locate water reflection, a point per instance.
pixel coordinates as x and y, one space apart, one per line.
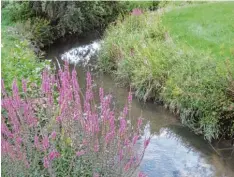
168 156
82 54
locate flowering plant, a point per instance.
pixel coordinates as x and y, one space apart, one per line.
61 132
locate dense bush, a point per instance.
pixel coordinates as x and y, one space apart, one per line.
49 20
64 17
58 131
128 6
37 30
140 52
13 11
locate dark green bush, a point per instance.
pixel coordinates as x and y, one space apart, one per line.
50 20
37 30
16 11
59 18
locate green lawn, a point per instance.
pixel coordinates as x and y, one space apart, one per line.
208 27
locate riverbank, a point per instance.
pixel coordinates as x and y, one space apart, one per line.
140 51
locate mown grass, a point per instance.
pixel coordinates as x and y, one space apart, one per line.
18 60
207 27
139 51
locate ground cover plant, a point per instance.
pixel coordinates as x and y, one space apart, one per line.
55 130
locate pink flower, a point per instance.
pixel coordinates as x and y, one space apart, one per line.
80 153
127 166
5 130
36 142
146 142
46 162
16 96
139 123
18 141
53 154
136 12
120 154
123 125
108 137
134 139
24 85
96 146
58 119
125 111
53 135
130 97
45 143
141 174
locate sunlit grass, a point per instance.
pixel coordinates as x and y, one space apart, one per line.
207 27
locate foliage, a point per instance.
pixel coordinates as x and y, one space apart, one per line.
16 11
58 131
47 21
139 51
128 6
37 30
18 59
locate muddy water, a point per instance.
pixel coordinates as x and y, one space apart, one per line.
174 151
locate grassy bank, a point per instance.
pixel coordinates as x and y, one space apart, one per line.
18 58
207 27
141 52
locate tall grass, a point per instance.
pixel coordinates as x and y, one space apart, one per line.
139 51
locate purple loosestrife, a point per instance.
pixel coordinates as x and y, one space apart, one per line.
93 132
24 85
53 154
45 143
136 12
53 135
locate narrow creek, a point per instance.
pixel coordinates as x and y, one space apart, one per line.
174 150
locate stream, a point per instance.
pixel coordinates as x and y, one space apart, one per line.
174 151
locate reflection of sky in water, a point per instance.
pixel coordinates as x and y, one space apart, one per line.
82 54
167 156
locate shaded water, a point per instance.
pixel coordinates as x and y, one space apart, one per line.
174 151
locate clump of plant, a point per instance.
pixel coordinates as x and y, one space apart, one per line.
58 131
16 11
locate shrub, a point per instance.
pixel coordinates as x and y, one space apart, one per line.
50 20
16 11
140 52
128 6
58 131
37 30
